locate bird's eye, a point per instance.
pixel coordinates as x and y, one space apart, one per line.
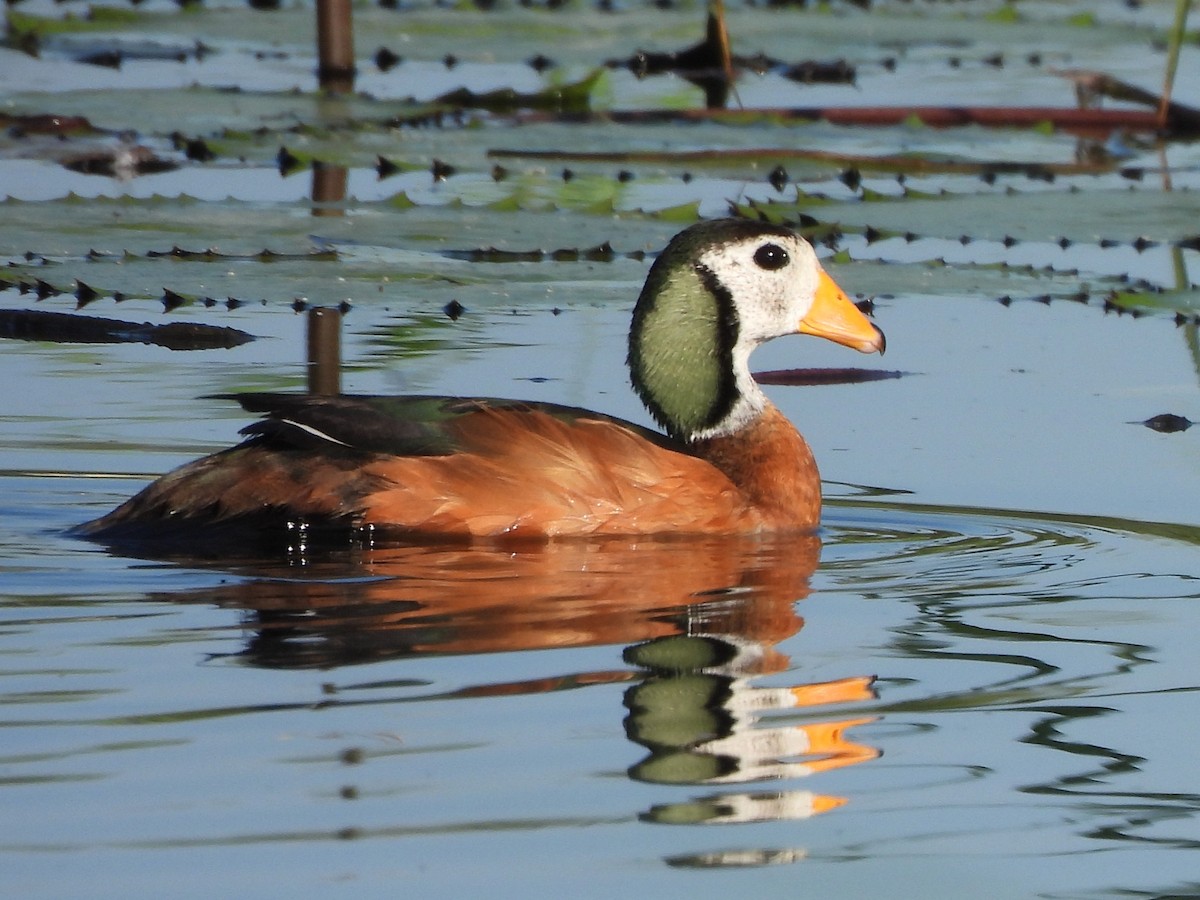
771 257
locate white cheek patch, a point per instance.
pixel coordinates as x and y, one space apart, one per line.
769 303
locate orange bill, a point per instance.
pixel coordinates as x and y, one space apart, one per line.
834 316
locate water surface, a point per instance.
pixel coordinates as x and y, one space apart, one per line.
978 678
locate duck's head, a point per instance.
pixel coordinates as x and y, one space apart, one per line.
718 290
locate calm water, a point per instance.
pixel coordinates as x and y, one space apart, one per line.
960 695
980 681
954 696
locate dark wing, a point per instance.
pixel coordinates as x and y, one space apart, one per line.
414 425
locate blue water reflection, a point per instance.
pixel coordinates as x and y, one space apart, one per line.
984 690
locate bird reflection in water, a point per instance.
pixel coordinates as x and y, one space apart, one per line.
701 621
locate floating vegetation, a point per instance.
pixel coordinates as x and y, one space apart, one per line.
801 173
568 98
69 328
600 253
825 376
1167 423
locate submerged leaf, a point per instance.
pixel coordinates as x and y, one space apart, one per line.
67 328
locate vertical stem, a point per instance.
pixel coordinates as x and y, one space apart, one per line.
335 45
324 351
716 92
1176 40
716 12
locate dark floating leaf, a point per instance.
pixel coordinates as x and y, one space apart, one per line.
84 294
177 252
600 253
171 300
813 72
574 98
121 161
454 310
494 254
67 328
46 123
814 377
196 149
1167 423
385 167
108 59
385 59
778 178
286 162
702 59
708 64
